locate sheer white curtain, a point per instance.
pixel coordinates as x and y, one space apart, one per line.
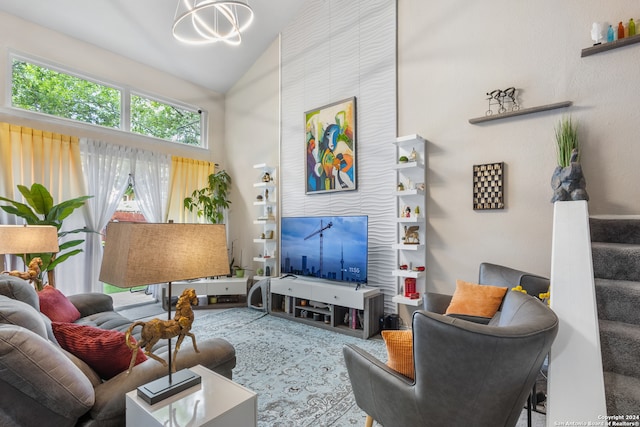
106 168
151 184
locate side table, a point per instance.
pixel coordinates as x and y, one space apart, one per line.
216 402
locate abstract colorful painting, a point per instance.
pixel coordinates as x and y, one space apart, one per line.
330 147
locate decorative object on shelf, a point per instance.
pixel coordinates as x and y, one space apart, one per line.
266 177
259 197
267 271
211 201
403 159
400 186
488 186
211 21
610 34
411 236
567 181
179 252
155 329
598 32
260 271
409 286
40 211
620 31
413 156
330 141
505 99
632 27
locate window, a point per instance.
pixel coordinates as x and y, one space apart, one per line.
155 118
44 90
37 87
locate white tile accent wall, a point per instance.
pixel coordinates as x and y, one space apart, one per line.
337 49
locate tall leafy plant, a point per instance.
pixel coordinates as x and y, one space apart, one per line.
211 201
566 141
40 210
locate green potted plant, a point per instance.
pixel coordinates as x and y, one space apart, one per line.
40 210
568 181
211 201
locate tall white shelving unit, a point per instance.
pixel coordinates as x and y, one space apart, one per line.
411 225
267 217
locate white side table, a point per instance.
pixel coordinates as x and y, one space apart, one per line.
216 402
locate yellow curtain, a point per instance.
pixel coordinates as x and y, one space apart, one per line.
187 175
29 156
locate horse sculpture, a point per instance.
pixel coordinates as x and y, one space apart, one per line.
32 273
155 329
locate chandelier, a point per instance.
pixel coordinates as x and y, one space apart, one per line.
211 21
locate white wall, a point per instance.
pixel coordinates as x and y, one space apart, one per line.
450 53
252 137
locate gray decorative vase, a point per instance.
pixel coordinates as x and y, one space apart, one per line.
568 183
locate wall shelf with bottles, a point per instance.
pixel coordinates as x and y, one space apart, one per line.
410 221
603 47
267 204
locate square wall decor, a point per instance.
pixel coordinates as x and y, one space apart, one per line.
488 186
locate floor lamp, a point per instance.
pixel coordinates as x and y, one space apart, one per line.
27 239
137 254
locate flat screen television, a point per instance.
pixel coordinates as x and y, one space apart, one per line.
325 247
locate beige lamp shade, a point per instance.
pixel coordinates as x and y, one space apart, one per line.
138 254
28 239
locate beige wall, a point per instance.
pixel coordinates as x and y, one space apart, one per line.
450 53
29 39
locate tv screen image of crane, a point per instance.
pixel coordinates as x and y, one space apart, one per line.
325 247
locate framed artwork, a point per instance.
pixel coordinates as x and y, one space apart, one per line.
330 147
488 186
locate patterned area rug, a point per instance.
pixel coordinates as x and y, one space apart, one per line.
298 371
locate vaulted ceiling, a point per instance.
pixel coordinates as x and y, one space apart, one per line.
141 30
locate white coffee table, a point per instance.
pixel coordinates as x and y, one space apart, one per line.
216 402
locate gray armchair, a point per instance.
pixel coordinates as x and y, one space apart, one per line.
466 374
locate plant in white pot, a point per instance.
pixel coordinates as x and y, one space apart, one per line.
568 181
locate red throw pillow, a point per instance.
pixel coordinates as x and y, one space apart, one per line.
56 306
104 350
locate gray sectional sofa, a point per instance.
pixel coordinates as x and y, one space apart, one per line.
42 384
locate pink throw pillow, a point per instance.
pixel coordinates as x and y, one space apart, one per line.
56 306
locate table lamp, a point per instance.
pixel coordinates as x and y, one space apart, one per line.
137 254
27 239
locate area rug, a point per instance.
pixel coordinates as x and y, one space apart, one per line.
297 370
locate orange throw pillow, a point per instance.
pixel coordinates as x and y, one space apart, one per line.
56 306
400 351
105 351
472 299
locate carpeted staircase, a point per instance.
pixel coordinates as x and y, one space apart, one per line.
615 245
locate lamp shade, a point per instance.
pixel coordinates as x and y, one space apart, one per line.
28 239
145 253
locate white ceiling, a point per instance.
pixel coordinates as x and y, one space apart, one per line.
141 30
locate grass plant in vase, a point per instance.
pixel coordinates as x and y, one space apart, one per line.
567 181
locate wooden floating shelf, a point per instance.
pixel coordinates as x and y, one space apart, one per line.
521 112
610 46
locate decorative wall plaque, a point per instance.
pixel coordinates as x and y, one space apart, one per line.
488 186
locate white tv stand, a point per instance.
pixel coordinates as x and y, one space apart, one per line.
336 307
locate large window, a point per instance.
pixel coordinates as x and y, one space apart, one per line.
44 89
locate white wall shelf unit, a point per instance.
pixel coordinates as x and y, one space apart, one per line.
267 206
411 225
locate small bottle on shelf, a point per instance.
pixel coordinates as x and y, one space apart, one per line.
620 30
610 36
632 27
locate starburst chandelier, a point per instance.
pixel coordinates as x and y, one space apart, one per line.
211 21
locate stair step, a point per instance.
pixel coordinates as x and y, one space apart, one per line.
618 300
623 394
616 261
619 230
620 346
